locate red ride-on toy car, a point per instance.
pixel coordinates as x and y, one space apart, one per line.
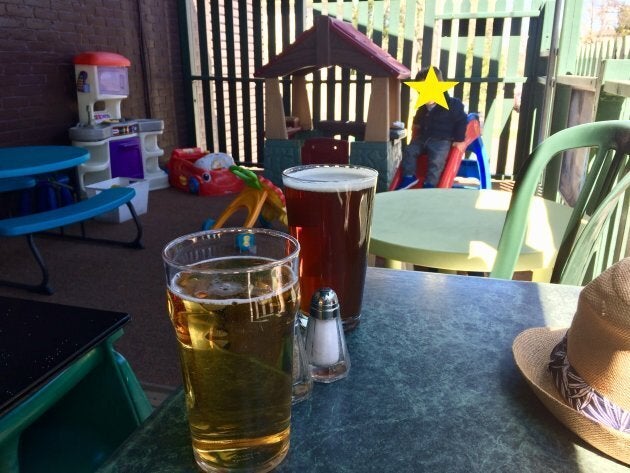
199 172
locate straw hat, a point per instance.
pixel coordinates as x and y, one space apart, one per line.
584 378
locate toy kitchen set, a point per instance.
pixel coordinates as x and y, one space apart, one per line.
118 147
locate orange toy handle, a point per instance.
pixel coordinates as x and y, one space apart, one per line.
257 197
249 198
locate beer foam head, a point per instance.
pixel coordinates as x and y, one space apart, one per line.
329 178
210 282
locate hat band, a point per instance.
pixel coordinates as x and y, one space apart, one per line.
582 397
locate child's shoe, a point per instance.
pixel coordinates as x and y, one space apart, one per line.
407 182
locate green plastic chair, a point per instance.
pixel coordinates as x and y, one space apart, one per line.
75 421
608 167
590 254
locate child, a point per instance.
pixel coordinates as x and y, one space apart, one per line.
436 130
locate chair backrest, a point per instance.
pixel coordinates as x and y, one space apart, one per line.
325 151
609 165
590 255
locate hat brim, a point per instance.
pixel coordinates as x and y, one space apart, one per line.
531 350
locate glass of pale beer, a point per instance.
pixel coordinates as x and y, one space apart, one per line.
329 210
233 297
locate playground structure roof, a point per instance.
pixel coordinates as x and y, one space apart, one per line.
332 42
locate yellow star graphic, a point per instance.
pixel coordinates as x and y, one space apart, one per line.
431 89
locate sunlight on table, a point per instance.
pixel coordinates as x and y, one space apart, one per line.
540 235
459 230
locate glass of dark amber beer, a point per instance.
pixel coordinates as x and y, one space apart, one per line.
329 210
233 297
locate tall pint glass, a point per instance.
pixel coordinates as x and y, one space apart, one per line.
329 209
233 296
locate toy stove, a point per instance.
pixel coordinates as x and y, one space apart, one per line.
118 147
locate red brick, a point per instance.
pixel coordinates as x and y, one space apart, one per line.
21 11
45 14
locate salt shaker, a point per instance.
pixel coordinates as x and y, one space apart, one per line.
325 341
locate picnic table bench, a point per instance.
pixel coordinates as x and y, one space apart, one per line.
79 212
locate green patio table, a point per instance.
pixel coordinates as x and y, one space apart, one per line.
433 388
459 230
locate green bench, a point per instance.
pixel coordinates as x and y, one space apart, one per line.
28 225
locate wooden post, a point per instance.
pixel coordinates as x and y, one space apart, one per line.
377 127
300 105
275 125
394 99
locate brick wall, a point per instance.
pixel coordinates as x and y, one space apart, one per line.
38 40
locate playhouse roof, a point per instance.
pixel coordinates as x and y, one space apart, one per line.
332 42
101 58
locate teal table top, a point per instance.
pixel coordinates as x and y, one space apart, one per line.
39 340
30 160
433 388
459 229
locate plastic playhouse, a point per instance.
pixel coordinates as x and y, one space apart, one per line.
332 42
